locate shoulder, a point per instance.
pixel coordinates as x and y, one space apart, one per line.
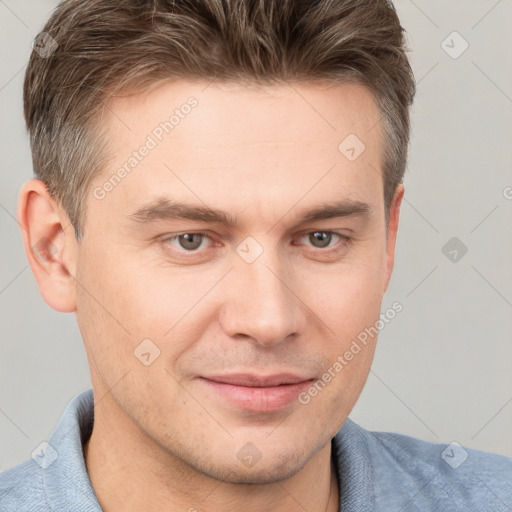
50 479
22 488
448 476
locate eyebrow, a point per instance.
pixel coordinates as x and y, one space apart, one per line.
163 208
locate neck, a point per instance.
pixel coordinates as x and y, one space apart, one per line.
129 470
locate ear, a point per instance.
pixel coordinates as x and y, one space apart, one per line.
394 214
50 245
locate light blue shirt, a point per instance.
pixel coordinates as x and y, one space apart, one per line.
377 471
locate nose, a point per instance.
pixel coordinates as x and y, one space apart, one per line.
261 302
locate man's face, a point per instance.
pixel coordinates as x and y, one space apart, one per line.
180 331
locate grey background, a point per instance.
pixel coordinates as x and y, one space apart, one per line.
443 367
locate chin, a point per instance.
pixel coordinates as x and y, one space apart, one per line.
277 469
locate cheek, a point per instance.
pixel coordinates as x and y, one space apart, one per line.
171 307
347 297
163 301
106 314
349 304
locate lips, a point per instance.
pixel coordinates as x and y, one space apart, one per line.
256 393
255 381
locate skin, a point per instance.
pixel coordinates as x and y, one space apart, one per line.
162 439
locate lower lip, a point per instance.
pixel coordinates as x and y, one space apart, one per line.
269 399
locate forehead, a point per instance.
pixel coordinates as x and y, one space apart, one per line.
249 112
243 144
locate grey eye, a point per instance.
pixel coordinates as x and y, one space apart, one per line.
190 241
323 238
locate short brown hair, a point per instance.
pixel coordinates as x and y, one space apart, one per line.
120 45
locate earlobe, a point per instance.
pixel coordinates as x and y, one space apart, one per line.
50 245
394 214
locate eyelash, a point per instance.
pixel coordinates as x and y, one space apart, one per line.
344 238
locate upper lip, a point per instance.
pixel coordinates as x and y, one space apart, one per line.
260 381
